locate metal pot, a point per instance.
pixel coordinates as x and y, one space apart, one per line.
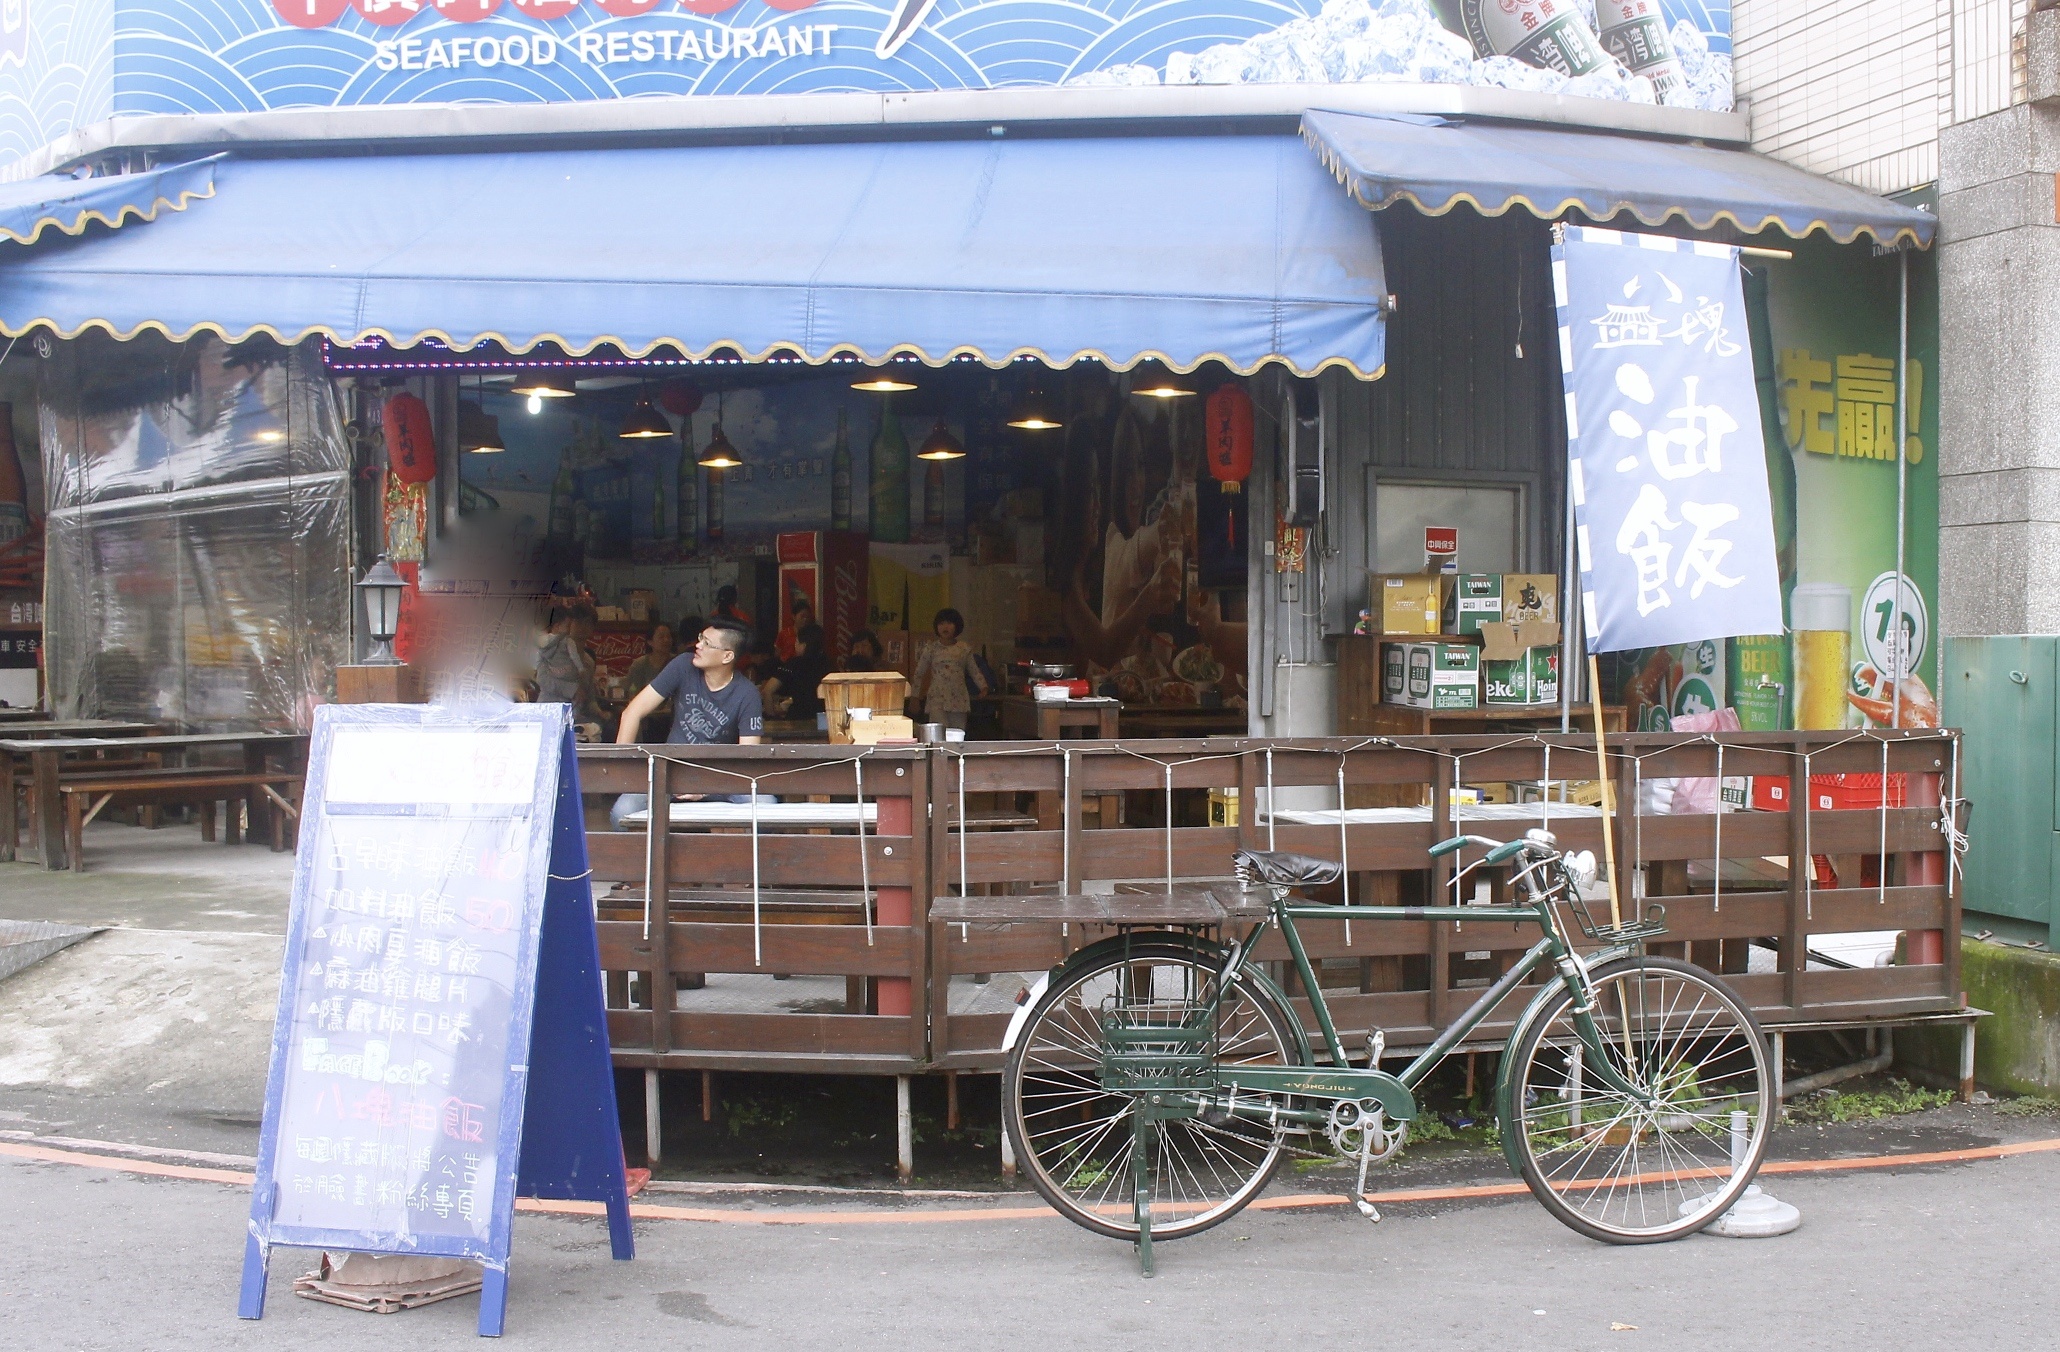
1051 671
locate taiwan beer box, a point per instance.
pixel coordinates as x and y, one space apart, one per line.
1520 663
1404 603
1431 675
1472 600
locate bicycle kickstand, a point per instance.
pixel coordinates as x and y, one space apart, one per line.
1141 1196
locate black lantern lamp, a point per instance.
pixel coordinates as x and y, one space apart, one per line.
645 422
941 444
382 588
1154 381
719 454
545 385
1033 411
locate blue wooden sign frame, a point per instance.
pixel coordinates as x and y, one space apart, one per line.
565 1140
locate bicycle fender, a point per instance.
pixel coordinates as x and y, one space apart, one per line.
1505 1109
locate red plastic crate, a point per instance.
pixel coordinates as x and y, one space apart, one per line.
1830 793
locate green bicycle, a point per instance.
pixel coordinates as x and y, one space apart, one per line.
1156 1079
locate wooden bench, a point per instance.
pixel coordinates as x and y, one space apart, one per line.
86 795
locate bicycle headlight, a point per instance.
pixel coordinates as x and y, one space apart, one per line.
1581 866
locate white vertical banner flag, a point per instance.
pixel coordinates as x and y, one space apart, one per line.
1666 459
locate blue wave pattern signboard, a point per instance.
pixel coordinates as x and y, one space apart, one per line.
66 63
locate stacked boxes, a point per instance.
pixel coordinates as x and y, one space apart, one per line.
1488 639
1431 675
1404 603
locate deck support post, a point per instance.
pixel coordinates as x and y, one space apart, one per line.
904 1131
654 1131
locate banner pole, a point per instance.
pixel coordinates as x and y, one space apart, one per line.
1609 851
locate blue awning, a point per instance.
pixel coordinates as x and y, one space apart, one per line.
1436 163
31 206
1185 249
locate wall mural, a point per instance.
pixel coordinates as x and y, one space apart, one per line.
68 63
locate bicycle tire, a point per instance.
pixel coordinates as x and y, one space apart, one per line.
1710 1062
1088 1186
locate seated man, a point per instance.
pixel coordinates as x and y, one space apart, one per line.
711 705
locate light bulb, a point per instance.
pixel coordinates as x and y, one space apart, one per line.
536 403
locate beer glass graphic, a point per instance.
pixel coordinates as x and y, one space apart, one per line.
1821 614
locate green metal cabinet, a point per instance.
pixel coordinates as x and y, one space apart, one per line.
2001 693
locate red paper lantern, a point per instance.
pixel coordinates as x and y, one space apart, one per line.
410 438
1227 418
680 398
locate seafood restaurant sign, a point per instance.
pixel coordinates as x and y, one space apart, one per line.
60 69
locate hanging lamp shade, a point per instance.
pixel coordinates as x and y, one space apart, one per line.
941 444
1154 381
478 431
410 438
644 423
545 384
719 454
881 381
1227 431
1033 411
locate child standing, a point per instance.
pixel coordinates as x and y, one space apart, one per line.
944 671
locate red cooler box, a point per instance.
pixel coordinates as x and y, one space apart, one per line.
828 569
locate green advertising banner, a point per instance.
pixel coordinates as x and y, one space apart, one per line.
1823 331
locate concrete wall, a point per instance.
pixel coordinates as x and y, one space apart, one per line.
2017 1051
1999 378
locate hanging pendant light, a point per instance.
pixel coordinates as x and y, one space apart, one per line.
941 444
1154 381
719 454
645 422
479 432
882 381
1033 411
545 384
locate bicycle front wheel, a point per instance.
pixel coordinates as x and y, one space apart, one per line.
1078 1141
1660 1163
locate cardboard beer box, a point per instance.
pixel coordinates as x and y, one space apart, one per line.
1475 599
1404 603
1431 675
1520 663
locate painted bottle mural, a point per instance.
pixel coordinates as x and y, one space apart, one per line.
563 522
1635 33
14 486
687 489
715 504
933 496
888 498
1549 34
657 503
840 475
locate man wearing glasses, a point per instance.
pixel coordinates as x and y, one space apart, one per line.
710 704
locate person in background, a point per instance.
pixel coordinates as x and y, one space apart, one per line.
711 705
564 668
659 651
726 607
791 692
799 616
865 652
945 675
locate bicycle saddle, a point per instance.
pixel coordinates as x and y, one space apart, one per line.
1284 869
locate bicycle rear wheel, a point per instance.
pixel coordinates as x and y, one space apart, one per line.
1615 1166
1077 1140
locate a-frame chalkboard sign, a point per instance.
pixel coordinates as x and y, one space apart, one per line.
442 1044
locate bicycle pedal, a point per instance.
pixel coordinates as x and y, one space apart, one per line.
1376 1047
1368 1210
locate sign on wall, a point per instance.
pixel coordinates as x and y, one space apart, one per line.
1667 470
207 56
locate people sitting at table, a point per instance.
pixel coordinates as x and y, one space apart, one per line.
865 652
659 650
791 692
710 705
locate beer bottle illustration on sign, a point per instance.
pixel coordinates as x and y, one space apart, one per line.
1550 34
562 523
840 475
715 506
687 489
889 486
1635 33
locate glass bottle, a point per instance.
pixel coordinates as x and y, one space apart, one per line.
840 475
889 485
687 490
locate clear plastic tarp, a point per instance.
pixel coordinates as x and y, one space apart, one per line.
198 533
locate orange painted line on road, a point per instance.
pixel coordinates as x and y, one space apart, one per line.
1297 1201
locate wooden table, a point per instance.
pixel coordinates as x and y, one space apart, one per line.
1034 720
46 755
1183 720
11 715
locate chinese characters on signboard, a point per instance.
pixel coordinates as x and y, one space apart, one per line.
1667 470
1846 406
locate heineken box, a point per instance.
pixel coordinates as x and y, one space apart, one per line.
1432 675
1475 599
1520 663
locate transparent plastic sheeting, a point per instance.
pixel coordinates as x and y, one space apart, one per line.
394 1105
198 534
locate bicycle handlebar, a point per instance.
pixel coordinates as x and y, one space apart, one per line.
1459 842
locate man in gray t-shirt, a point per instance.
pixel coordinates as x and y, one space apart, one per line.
711 703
